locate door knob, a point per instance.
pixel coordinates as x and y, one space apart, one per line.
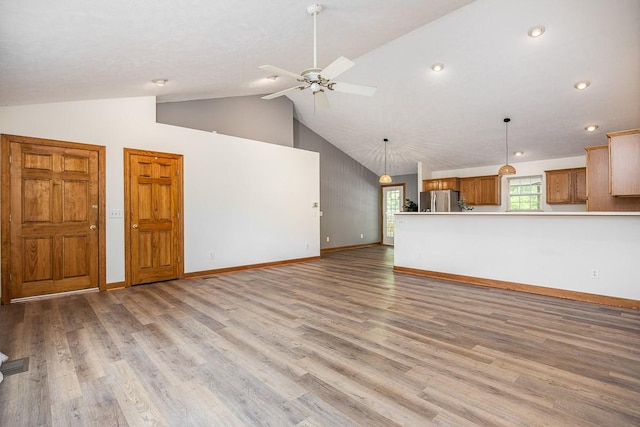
92 227
134 226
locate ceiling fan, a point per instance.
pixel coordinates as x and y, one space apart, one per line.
317 79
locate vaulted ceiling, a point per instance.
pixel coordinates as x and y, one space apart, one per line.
77 49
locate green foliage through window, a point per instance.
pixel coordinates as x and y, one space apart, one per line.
525 193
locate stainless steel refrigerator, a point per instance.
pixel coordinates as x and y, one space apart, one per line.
439 201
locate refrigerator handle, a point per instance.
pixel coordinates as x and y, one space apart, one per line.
433 201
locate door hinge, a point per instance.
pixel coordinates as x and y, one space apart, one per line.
178 172
10 277
9 217
178 259
9 159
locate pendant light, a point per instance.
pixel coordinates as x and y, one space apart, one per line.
385 179
506 169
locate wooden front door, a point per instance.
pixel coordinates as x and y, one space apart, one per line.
153 200
53 211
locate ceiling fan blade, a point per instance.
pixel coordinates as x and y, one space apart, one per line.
336 68
321 100
354 89
282 92
280 72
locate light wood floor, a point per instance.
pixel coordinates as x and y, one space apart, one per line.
338 342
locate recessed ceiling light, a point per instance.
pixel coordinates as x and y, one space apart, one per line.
437 67
518 153
591 128
274 77
582 85
159 82
536 31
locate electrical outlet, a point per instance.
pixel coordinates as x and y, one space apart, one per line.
328 238
362 236
115 213
595 273
212 255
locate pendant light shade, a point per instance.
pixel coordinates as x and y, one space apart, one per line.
385 179
506 169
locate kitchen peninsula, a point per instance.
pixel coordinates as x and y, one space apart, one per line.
588 256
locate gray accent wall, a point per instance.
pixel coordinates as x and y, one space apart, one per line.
349 193
410 186
243 116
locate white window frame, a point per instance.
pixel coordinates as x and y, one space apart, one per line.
532 179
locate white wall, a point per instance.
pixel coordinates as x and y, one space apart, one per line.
552 250
246 201
522 169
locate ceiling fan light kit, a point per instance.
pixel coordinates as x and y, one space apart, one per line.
317 79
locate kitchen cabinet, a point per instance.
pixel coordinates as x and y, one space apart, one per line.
624 163
481 190
598 197
468 190
441 184
566 186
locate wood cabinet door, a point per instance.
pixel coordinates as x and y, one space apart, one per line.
54 219
579 185
154 209
468 190
450 184
558 186
598 197
624 163
489 190
430 185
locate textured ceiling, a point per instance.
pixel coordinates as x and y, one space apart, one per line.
78 49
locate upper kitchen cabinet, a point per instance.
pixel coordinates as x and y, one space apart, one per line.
481 190
566 186
441 184
624 163
598 197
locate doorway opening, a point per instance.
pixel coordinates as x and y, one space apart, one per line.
391 201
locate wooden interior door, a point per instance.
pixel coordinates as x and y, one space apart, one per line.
54 217
153 193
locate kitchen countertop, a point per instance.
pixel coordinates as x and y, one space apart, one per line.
587 214
585 252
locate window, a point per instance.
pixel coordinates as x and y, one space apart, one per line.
525 193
